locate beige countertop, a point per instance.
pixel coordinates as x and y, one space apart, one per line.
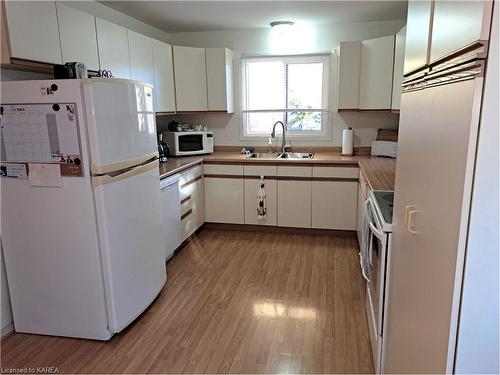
378 171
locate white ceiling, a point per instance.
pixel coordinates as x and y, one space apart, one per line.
181 16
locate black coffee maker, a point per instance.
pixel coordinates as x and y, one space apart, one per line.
162 148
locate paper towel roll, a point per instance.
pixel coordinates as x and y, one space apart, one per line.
347 141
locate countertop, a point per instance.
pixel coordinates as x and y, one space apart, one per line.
378 171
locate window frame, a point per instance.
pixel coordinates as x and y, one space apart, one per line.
326 129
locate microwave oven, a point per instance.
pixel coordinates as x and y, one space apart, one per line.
189 143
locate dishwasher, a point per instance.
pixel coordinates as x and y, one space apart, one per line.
171 209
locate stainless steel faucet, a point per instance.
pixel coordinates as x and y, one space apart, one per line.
273 135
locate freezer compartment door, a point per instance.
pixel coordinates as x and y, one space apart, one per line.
130 233
120 122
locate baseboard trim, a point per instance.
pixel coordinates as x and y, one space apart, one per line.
7 330
282 230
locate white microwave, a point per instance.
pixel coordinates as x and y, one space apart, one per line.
189 143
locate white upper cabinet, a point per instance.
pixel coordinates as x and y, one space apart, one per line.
220 79
417 34
33 30
377 60
399 56
457 24
164 77
349 71
190 78
141 57
112 41
78 36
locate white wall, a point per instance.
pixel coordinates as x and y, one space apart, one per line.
478 331
227 128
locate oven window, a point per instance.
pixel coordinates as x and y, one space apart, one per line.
191 142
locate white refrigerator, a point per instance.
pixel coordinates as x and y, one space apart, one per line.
80 205
444 111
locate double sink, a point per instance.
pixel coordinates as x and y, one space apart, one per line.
282 155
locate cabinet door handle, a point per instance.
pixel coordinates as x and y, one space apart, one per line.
411 226
186 214
407 211
188 198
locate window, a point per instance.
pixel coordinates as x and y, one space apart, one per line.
291 89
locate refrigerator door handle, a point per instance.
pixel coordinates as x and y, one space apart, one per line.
105 179
103 169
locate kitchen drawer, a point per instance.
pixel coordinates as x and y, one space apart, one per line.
335 172
188 223
190 174
260 170
187 202
224 169
295 171
193 209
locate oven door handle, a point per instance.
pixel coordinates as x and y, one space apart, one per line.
380 235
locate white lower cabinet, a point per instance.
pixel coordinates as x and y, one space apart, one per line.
294 196
334 204
224 193
252 186
294 203
192 200
334 196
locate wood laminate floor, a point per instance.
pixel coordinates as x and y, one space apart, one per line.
234 302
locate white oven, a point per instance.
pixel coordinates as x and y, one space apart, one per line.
189 142
374 253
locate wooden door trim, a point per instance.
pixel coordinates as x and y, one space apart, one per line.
335 179
232 176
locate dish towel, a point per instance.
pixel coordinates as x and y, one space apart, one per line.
261 200
364 253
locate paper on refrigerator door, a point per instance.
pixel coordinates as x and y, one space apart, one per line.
45 175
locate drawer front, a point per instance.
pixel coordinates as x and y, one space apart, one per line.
260 170
335 172
294 171
188 222
190 174
224 169
190 187
188 201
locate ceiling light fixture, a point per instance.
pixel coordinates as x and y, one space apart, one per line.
282 26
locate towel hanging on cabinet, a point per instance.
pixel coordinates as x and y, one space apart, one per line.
261 200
